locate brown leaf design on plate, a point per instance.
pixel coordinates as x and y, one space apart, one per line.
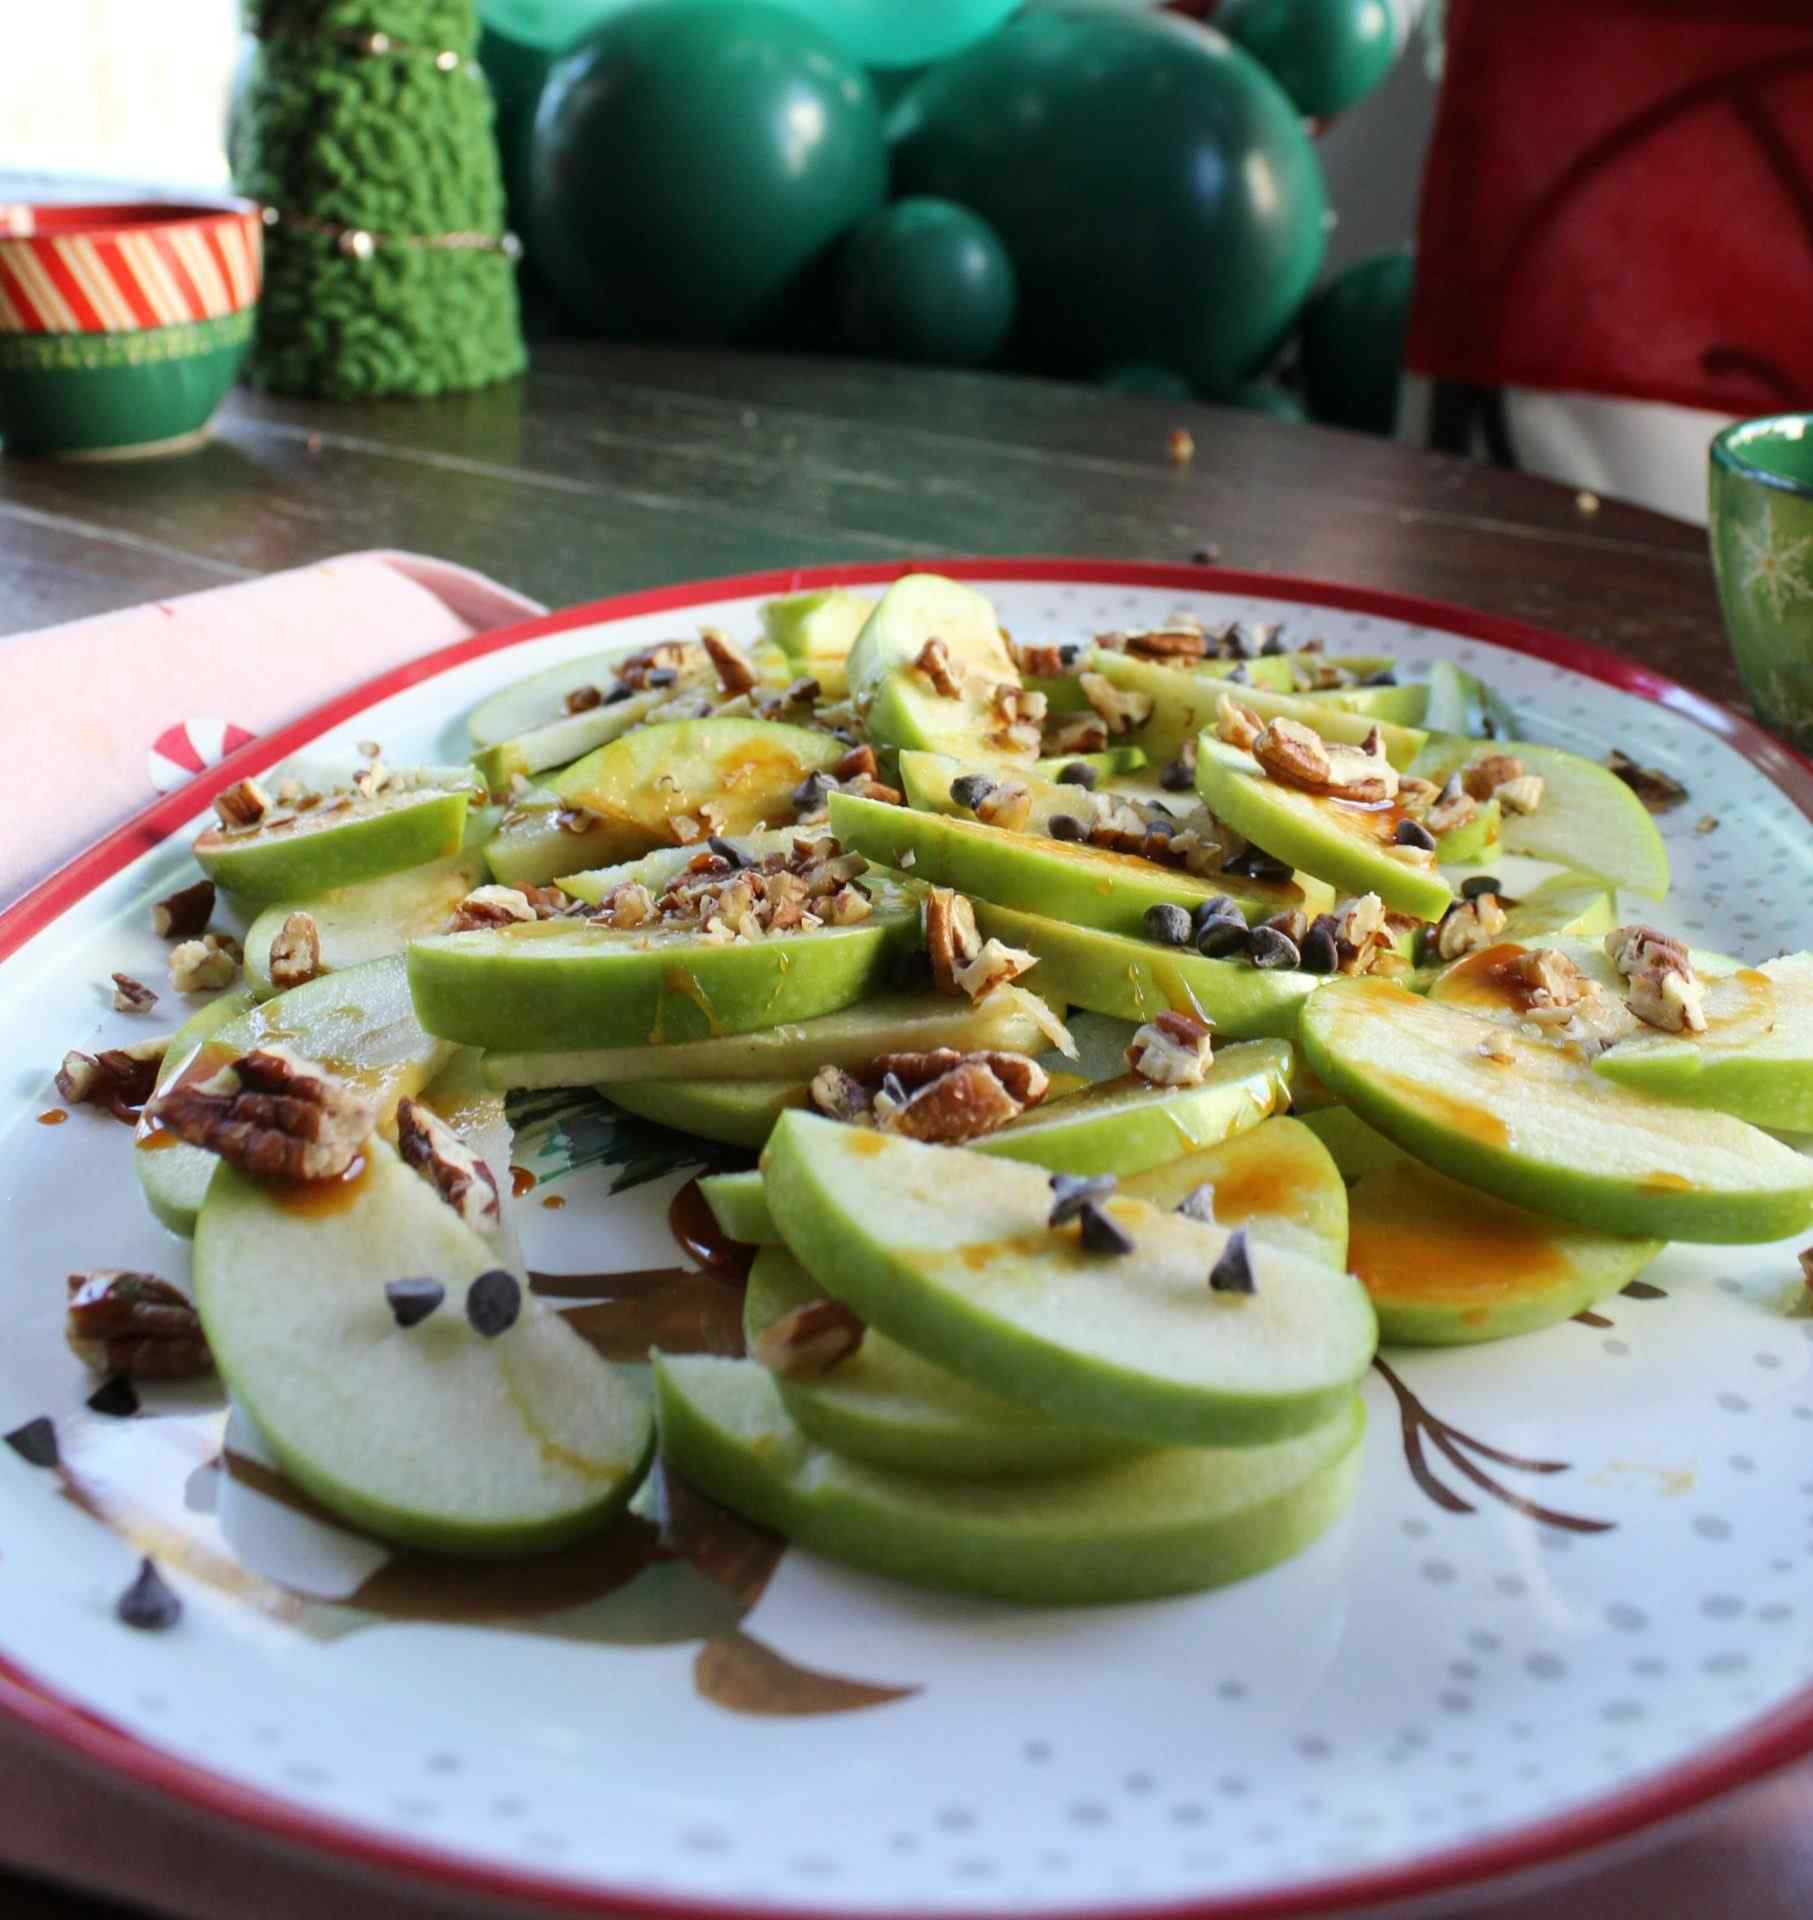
736 1671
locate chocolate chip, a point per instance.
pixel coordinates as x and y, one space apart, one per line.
1237 675
1167 923
1199 1204
1217 907
412 1301
1101 1233
1479 883
1079 773
1160 810
1072 1192
1221 939
663 677
1066 826
117 1399
150 1604
493 1301
1320 951
1412 833
1272 950
1233 1272
1178 776
1383 678
619 692
1069 654
971 789
1255 864
36 1442
1234 644
1274 643
1160 826
729 850
809 795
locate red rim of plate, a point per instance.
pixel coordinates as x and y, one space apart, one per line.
1779 1737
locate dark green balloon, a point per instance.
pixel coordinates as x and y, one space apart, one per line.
1157 192
1325 54
1150 382
691 161
926 280
1353 343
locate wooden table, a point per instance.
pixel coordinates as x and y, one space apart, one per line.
618 468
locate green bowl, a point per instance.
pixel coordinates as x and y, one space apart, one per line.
1760 524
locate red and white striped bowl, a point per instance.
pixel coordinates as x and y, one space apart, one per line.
126 268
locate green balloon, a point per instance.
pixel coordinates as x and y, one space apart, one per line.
1157 192
1151 383
1264 396
1325 54
926 280
1353 343
903 33
692 161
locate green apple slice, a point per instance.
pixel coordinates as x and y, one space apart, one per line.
366 922
738 1113
1172 1521
1083 885
1482 984
562 984
1403 705
1137 979
1460 702
336 844
1754 1060
658 869
1589 819
431 1435
815 632
1540 1129
533 702
1111 763
1009 1020
898 705
1333 839
558 743
948 1252
1478 840
358 1023
1277 1180
539 840
1447 1265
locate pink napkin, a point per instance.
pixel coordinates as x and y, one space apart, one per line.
137 701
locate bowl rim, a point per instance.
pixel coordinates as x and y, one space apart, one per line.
1725 453
98 219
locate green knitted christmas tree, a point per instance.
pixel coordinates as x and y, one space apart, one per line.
365 131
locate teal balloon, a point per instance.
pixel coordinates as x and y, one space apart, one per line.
1157 191
926 280
904 33
1264 396
1325 54
692 162
1152 383
1353 343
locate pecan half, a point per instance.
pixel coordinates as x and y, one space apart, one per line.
456 1173
735 674
131 996
1019 1073
960 1105
1296 755
1176 642
296 951
135 1324
493 906
810 1340
117 1078
184 913
272 1114
1172 1051
243 804
1633 947
934 662
951 937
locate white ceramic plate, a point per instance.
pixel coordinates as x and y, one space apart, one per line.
1570 1599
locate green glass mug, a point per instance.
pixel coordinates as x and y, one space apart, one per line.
1761 530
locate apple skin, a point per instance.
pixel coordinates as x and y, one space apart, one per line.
1461 703
1112 763
1081 885
531 849
175 1177
559 742
897 706
1754 1060
738 1113
1542 1130
1342 844
1172 1521
374 1420
655 870
561 984
1447 1265
947 1252
1468 845
541 697
815 632
319 851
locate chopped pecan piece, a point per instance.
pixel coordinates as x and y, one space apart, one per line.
934 662
575 820
839 1094
1805 1257
810 1340
1633 947
1019 1073
735 674
584 699
205 965
960 1105
492 906
1522 795
185 913
656 666
951 937
1007 805
296 951
1469 925
272 1114
1670 998
1075 733
1179 640
845 907
1485 776
1119 712
1497 1048
135 1324
1172 1051
858 763
131 996
627 906
1235 725
997 965
1019 718
1657 790
1297 756
1451 808
456 1173
1044 662
117 1078
243 804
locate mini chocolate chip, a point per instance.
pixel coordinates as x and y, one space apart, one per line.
1234 644
1272 950
1217 907
1479 883
1101 1233
412 1301
1199 1204
1161 825
1072 1192
1069 654
1383 678
892 1087
971 789
1255 864
1221 939
1488 727
1178 777
1205 556
1158 809
619 692
1168 923
729 850
1066 826
1233 1272
1274 643
809 795
117 1398
150 1603
1237 675
36 1442
663 677
1320 951
1412 833
1079 773
493 1301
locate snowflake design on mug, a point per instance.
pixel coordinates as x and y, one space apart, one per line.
1776 567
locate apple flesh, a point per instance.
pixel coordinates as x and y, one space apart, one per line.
1111 763
541 697
1461 703
1539 1128
737 1113
659 869
1171 1521
815 631
562 984
336 844
558 743
432 1436
949 1252
898 705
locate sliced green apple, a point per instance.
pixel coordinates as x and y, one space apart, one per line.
1171 1521
1460 702
430 1435
1404 705
1474 842
816 632
336 844
558 743
897 704
658 869
542 697
1534 1126
1111 763
565 985
949 1252
739 1113
172 1174
538 840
